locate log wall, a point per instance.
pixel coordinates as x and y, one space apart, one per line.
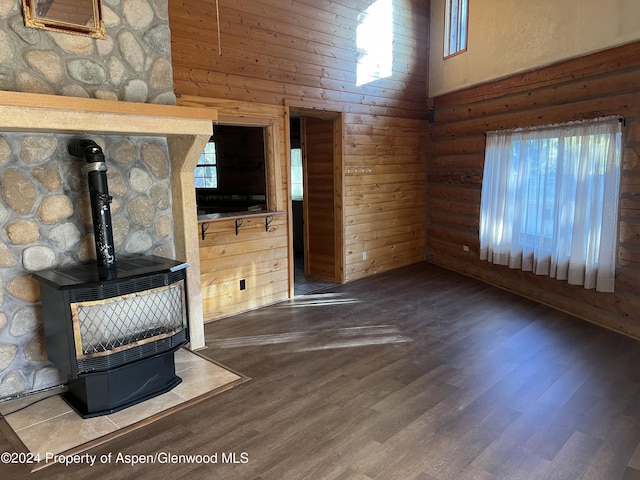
600 84
302 54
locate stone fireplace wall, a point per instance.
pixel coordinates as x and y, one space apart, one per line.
45 219
132 64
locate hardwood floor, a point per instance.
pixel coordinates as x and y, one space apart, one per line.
418 373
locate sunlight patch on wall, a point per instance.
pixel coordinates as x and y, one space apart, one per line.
374 40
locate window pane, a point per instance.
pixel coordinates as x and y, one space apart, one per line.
456 25
296 174
462 33
205 175
208 156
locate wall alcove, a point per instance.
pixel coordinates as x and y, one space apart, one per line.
186 130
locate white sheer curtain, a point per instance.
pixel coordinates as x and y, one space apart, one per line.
550 201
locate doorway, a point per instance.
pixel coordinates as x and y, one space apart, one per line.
316 172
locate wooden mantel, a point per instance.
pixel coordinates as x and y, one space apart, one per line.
99 115
186 129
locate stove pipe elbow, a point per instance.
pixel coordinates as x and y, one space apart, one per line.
88 149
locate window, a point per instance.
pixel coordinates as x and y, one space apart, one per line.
455 26
205 174
296 174
550 200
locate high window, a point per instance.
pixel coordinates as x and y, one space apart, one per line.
550 201
456 17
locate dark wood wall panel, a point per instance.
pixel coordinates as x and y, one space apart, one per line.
604 83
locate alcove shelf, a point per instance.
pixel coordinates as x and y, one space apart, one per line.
237 217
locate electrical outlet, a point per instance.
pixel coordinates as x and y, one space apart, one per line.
364 255
243 284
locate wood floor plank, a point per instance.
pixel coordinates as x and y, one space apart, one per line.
418 373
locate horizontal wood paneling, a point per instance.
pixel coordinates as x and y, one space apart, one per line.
303 54
384 194
259 256
595 85
270 51
256 255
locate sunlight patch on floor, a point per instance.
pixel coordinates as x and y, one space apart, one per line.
348 337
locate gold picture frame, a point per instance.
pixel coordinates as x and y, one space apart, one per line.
78 17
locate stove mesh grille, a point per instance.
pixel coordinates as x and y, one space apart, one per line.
106 326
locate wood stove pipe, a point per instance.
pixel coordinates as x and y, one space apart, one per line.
96 170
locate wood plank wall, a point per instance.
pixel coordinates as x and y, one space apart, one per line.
257 254
604 83
272 51
302 54
384 194
224 263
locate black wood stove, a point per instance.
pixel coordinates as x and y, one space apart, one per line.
113 327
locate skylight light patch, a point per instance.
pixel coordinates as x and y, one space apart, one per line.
375 43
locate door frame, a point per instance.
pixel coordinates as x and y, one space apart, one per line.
337 119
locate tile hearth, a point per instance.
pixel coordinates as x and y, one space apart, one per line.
51 426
